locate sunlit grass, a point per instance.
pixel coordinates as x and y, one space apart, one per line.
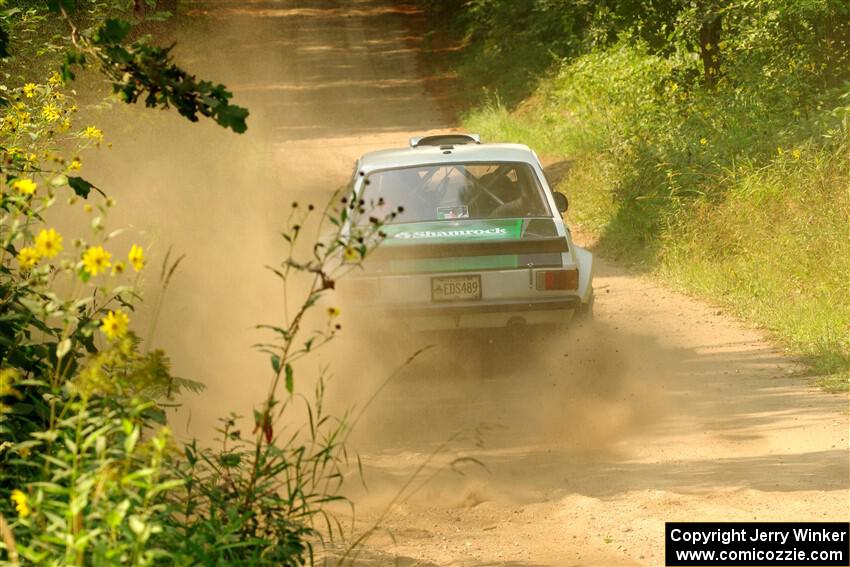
746 207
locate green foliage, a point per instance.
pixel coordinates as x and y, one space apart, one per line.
257 505
256 499
89 475
142 69
88 472
509 45
96 496
730 183
72 404
137 69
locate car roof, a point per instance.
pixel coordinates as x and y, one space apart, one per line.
428 155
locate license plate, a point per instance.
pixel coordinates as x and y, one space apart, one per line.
456 288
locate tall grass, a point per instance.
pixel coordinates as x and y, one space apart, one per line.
737 193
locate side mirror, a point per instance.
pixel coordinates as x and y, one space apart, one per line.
561 201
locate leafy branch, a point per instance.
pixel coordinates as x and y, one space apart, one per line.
136 69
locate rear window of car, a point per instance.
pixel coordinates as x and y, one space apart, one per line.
456 191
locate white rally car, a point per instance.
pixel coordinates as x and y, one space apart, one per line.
480 243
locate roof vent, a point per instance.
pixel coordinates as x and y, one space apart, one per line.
445 140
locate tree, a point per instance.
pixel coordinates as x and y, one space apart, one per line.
137 69
710 27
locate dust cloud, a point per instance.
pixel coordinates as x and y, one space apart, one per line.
509 405
222 200
660 402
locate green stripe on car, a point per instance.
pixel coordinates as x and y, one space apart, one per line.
453 231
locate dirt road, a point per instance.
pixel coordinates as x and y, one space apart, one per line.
663 410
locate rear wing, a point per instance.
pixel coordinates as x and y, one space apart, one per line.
445 140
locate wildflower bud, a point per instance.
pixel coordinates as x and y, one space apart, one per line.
367 182
360 239
344 200
381 202
361 210
338 327
400 209
373 220
294 204
310 207
296 227
382 234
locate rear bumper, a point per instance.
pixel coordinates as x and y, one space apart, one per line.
448 316
508 307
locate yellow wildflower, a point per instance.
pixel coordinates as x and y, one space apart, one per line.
21 502
350 254
118 268
8 377
28 257
25 186
96 260
797 154
75 165
48 243
93 133
114 325
50 113
55 79
29 90
10 123
703 141
333 311
137 257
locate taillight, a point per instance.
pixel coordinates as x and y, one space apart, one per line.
557 279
